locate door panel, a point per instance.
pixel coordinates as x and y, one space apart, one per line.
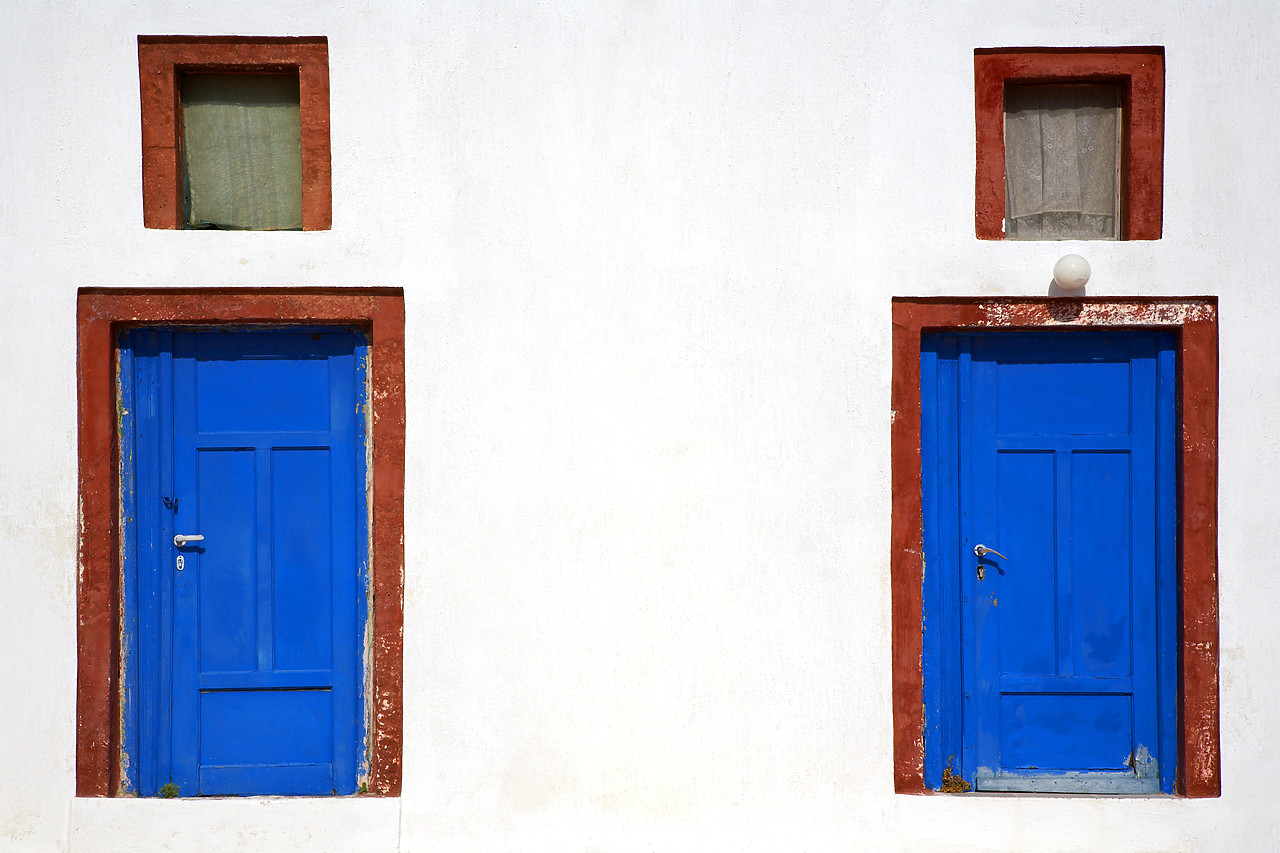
301 533
1100 622
1028 642
1063 446
258 676
225 572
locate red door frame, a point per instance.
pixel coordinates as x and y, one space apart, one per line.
1195 320
101 314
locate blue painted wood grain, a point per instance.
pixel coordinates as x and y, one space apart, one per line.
1061 660
248 676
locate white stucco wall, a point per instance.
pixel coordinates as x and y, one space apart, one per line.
648 250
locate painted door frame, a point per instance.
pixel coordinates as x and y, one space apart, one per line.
1195 322
101 314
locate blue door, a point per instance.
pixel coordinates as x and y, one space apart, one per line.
244 503
1050 587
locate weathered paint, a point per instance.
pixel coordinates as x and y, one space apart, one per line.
1144 783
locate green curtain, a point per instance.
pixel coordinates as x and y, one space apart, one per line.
242 151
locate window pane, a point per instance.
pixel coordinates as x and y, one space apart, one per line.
242 151
1062 162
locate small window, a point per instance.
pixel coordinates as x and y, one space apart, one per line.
1062 162
235 132
1070 143
241 151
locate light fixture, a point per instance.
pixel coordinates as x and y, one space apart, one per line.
1071 272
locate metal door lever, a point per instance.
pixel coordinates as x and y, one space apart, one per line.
983 550
183 538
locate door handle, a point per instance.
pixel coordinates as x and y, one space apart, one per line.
981 551
183 538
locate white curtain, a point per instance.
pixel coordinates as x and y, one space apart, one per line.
1062 162
242 151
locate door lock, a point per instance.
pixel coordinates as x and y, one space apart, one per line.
981 551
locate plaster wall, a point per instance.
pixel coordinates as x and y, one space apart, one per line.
648 251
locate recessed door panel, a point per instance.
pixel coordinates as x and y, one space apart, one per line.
1065 732
302 559
225 564
1028 635
1102 618
261 388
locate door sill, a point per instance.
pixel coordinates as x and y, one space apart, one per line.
1096 782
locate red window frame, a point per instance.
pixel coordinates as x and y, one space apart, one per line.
161 62
1195 321
1139 71
102 313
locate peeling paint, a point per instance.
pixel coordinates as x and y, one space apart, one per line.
998 314
1084 312
1143 764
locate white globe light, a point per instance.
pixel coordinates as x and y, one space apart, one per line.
1071 272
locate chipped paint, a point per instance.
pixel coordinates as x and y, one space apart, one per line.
1085 312
999 314
1142 779
1143 764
